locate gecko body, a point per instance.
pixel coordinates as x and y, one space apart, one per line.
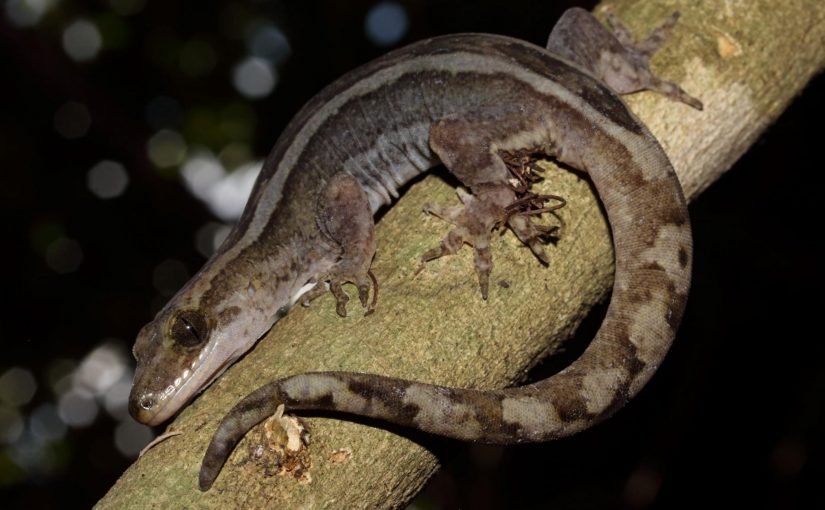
466 101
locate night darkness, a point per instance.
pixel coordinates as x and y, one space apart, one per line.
100 227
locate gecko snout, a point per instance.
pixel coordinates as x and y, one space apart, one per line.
142 406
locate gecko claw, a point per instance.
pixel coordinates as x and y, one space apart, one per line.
341 297
335 287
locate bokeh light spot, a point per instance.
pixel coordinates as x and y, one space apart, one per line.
101 368
220 236
59 375
107 179
225 193
131 437
45 423
202 126
386 23
166 148
116 398
169 276
235 154
201 172
72 120
82 40
230 194
267 41
254 78
64 255
209 237
77 409
238 121
11 424
27 13
17 386
42 233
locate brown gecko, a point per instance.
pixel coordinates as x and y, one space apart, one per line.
469 101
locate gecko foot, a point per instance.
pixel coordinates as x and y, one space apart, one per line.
637 56
334 283
614 55
475 221
651 43
534 236
474 224
344 216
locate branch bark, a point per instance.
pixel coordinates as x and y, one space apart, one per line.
746 62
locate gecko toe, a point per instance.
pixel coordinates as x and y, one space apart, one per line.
454 239
363 282
341 297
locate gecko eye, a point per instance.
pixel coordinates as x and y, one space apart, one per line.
189 328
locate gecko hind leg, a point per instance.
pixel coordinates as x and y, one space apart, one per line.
615 56
529 233
467 155
650 44
344 216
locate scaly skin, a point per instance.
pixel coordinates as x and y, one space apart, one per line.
463 100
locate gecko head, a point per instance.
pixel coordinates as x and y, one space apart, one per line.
211 322
181 352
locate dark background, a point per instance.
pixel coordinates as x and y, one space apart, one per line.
734 417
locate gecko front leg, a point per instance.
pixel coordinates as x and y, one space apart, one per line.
343 215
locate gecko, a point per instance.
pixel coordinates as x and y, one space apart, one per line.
471 102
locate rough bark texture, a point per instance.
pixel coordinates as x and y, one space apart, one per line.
745 60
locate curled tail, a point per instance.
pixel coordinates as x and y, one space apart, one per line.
652 242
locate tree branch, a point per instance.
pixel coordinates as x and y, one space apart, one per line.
746 62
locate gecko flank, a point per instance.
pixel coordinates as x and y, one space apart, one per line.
470 102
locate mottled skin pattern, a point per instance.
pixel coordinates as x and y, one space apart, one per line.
463 100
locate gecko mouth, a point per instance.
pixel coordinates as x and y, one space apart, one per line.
158 394
153 407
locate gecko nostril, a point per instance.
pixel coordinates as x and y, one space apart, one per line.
147 402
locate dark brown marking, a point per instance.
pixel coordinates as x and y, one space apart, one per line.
683 257
251 405
631 362
619 400
571 408
322 402
669 212
639 295
674 314
569 402
654 266
388 392
487 412
228 315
